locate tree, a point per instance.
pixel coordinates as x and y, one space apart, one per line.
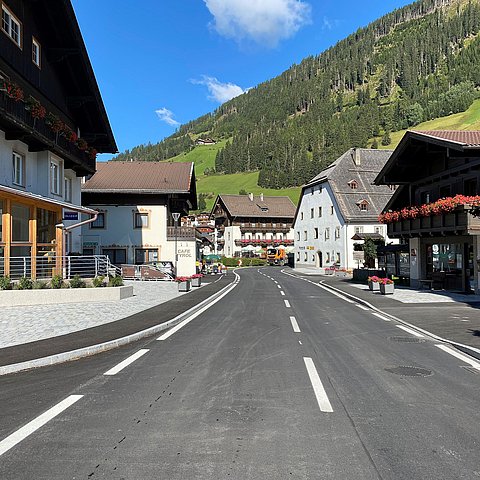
386 140
243 192
202 204
370 252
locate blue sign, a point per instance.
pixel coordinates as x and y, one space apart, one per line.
70 216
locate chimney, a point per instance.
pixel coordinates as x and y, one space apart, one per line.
261 197
356 156
250 196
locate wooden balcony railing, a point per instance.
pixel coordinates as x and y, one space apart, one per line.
181 233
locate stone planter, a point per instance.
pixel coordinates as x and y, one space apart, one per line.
387 289
196 281
185 286
374 286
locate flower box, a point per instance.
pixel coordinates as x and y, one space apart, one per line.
196 281
373 286
387 288
185 286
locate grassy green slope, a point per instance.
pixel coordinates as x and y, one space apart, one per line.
468 120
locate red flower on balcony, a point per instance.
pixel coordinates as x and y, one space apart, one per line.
444 205
82 144
55 124
92 153
36 109
12 90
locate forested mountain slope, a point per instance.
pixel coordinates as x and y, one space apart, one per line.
415 64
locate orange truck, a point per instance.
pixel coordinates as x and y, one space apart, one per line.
276 256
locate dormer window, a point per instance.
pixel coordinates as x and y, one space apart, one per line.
353 184
363 205
11 25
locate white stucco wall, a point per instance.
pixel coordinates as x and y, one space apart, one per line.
119 232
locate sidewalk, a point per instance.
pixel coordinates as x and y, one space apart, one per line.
45 331
452 316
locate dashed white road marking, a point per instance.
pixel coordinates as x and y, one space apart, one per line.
282 293
363 307
300 342
126 362
287 303
461 356
381 316
320 393
35 424
295 326
411 331
279 286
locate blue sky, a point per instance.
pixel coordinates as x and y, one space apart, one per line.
162 63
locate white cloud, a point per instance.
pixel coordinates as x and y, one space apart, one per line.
263 21
219 92
166 116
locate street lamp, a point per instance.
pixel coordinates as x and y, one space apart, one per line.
176 216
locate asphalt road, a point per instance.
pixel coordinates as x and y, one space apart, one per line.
279 379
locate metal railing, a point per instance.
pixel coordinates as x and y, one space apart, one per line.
47 266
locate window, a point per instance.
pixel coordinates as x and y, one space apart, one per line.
298 236
312 212
328 257
425 197
301 215
327 233
305 235
18 169
378 230
55 170
353 184
332 209
36 49
319 212
141 220
116 255
338 259
315 233
363 205
358 229
444 191
298 256
306 257
145 255
337 232
99 222
68 189
11 25
20 223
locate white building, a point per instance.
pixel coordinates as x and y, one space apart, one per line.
248 223
340 207
135 201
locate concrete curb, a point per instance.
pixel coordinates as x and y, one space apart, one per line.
472 351
103 347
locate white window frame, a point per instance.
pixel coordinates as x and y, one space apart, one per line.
55 176
337 233
36 52
68 189
315 232
141 215
18 175
8 25
327 233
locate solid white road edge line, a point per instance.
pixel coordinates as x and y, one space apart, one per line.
22 433
412 332
460 356
197 313
317 385
127 362
361 306
287 303
295 326
380 316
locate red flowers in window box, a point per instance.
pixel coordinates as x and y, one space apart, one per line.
55 124
36 109
12 90
444 205
82 144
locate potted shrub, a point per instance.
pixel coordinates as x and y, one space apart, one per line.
197 280
184 284
387 287
374 283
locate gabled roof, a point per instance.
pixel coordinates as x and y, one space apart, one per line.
361 165
141 177
468 139
256 206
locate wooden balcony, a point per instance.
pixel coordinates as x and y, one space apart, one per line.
458 222
264 228
181 233
263 242
18 124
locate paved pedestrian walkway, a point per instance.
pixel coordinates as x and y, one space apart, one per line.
20 325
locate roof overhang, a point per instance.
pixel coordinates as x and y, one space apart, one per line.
47 201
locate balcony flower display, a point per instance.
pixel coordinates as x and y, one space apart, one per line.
92 153
12 90
55 124
69 134
36 109
82 144
444 205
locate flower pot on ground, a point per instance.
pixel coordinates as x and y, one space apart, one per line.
387 287
374 283
197 280
184 284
